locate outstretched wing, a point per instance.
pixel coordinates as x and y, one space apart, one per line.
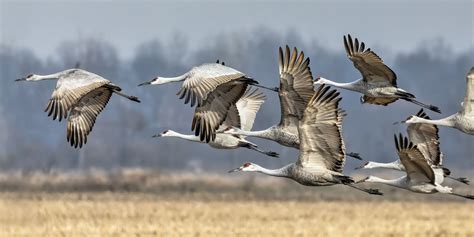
321 144
416 166
425 137
213 111
204 79
69 89
370 65
296 85
468 104
242 114
84 113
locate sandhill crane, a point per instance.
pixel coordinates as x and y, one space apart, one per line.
214 87
378 82
296 89
462 120
426 138
420 176
322 151
81 96
242 114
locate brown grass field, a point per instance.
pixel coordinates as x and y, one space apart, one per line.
221 206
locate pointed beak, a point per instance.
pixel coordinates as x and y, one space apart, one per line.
362 166
399 122
157 135
147 83
21 79
235 170
362 180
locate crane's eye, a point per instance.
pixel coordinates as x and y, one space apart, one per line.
29 76
247 164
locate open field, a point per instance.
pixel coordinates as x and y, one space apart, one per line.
151 203
132 214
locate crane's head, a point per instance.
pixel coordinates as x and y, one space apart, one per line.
246 167
411 119
166 133
30 77
155 81
320 80
366 165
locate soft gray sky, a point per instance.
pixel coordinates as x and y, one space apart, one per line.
397 25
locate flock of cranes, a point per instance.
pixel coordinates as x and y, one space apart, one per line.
311 120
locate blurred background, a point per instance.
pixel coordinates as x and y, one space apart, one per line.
429 44
126 183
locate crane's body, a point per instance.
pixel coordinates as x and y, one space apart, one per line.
462 120
421 177
322 150
241 115
214 88
79 96
378 82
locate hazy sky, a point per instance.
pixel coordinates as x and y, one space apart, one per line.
397 25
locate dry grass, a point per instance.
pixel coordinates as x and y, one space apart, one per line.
138 202
134 214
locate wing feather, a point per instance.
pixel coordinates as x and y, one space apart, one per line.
417 168
70 89
296 85
84 113
370 65
321 144
213 111
425 137
468 104
204 79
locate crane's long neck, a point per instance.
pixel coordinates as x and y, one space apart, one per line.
392 182
173 79
266 134
53 76
281 172
448 121
353 86
392 165
184 136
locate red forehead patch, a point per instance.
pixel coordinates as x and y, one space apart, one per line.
247 164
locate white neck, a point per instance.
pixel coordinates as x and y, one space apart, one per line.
266 134
448 121
353 86
183 136
392 165
47 77
281 172
173 79
392 182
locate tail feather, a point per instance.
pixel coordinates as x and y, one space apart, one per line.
430 107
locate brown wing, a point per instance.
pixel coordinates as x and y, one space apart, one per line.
321 144
425 137
417 168
378 100
296 85
203 80
369 64
84 113
70 89
213 111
